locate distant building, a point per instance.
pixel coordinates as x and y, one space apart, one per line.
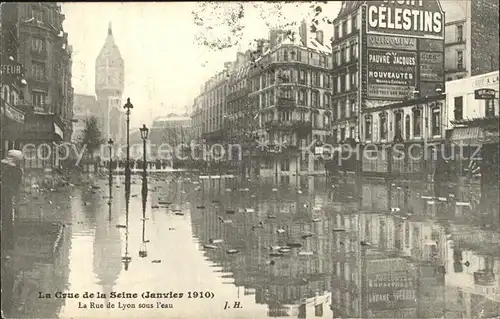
84 106
172 130
109 84
471 37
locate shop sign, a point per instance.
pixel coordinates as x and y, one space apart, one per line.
431 67
39 126
390 73
410 18
484 94
390 42
487 80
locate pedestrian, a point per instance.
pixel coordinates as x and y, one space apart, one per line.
11 177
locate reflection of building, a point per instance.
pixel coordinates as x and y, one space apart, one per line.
107 251
471 38
293 285
474 275
109 82
388 82
41 258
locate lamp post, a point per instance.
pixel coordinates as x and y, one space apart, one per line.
128 106
110 173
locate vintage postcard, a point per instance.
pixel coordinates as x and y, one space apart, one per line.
252 160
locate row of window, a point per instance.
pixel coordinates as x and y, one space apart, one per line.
345 54
383 126
302 97
345 28
344 109
345 82
300 55
315 79
458 107
342 137
317 120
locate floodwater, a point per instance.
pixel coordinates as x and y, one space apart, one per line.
327 249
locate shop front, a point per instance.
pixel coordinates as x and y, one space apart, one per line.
42 133
12 127
478 141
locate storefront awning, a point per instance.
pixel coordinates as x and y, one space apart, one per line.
467 135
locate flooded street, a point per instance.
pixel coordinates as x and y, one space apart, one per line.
328 249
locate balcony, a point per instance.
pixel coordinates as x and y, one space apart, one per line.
300 126
214 136
284 103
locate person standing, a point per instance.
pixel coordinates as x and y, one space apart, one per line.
11 178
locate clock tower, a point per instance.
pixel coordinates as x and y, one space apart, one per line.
109 82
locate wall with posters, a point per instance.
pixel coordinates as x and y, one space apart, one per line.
404 49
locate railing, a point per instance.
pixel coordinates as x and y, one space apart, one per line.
285 103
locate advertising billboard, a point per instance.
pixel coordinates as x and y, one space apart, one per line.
409 18
391 73
431 66
402 30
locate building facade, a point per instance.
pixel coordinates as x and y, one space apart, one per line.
109 84
472 119
389 82
280 94
12 116
471 35
41 47
291 87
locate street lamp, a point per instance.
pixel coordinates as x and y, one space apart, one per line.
144 135
110 181
128 106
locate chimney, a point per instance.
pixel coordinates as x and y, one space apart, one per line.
303 33
319 36
273 38
240 58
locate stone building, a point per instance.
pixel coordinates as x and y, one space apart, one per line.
208 116
12 116
389 83
43 51
291 87
471 37
109 84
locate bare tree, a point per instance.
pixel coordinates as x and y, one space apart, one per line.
221 25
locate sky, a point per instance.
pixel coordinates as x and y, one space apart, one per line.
164 66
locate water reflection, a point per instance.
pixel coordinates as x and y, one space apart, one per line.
107 250
39 262
350 249
126 259
363 249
